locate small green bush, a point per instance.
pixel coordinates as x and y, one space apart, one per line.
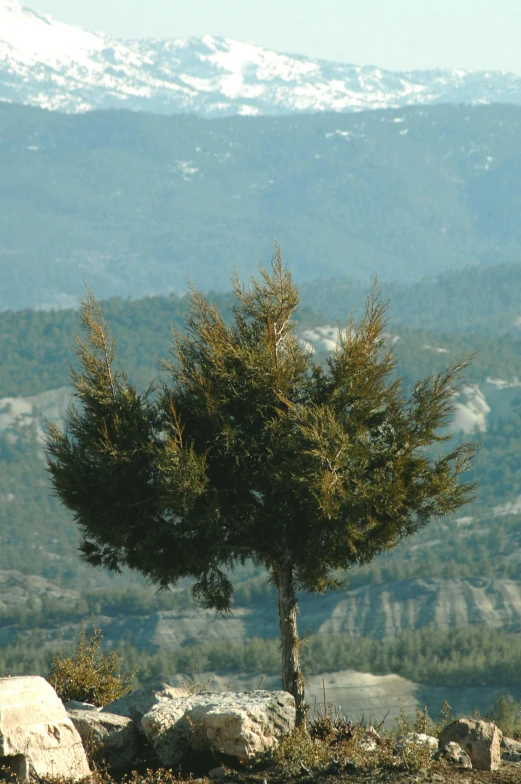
89 675
506 713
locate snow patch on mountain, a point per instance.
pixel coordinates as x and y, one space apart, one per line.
436 349
471 411
46 63
324 338
19 413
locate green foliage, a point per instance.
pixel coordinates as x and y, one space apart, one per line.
186 485
506 713
249 425
37 349
36 346
89 675
466 655
341 748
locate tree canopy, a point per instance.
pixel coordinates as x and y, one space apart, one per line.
252 450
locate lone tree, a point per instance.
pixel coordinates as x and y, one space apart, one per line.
252 450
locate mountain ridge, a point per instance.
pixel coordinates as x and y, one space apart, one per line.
57 66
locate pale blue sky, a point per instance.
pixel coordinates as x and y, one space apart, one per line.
396 34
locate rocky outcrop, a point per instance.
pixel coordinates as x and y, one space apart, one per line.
235 726
481 740
36 735
111 738
386 610
136 704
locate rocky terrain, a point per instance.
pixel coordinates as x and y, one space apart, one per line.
167 734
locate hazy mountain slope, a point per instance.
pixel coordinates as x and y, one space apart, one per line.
378 611
37 346
56 66
481 300
134 203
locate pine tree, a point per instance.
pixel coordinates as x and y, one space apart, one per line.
253 451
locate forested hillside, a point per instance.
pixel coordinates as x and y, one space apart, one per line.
481 299
38 346
131 201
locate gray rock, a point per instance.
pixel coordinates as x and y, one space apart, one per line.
36 735
511 745
135 704
113 738
72 705
511 756
454 755
510 750
480 739
418 738
239 726
216 773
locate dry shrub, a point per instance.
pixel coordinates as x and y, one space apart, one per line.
332 743
89 675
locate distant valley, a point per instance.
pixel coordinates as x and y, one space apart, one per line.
173 640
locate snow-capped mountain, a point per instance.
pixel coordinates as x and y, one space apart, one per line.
56 66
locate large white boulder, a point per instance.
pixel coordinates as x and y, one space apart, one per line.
36 735
238 726
135 704
112 738
481 740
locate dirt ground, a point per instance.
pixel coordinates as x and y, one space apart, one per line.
510 773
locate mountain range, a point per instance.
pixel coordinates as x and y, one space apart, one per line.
46 63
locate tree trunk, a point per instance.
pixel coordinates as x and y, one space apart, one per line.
292 678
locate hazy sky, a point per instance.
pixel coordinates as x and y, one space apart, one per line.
396 34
